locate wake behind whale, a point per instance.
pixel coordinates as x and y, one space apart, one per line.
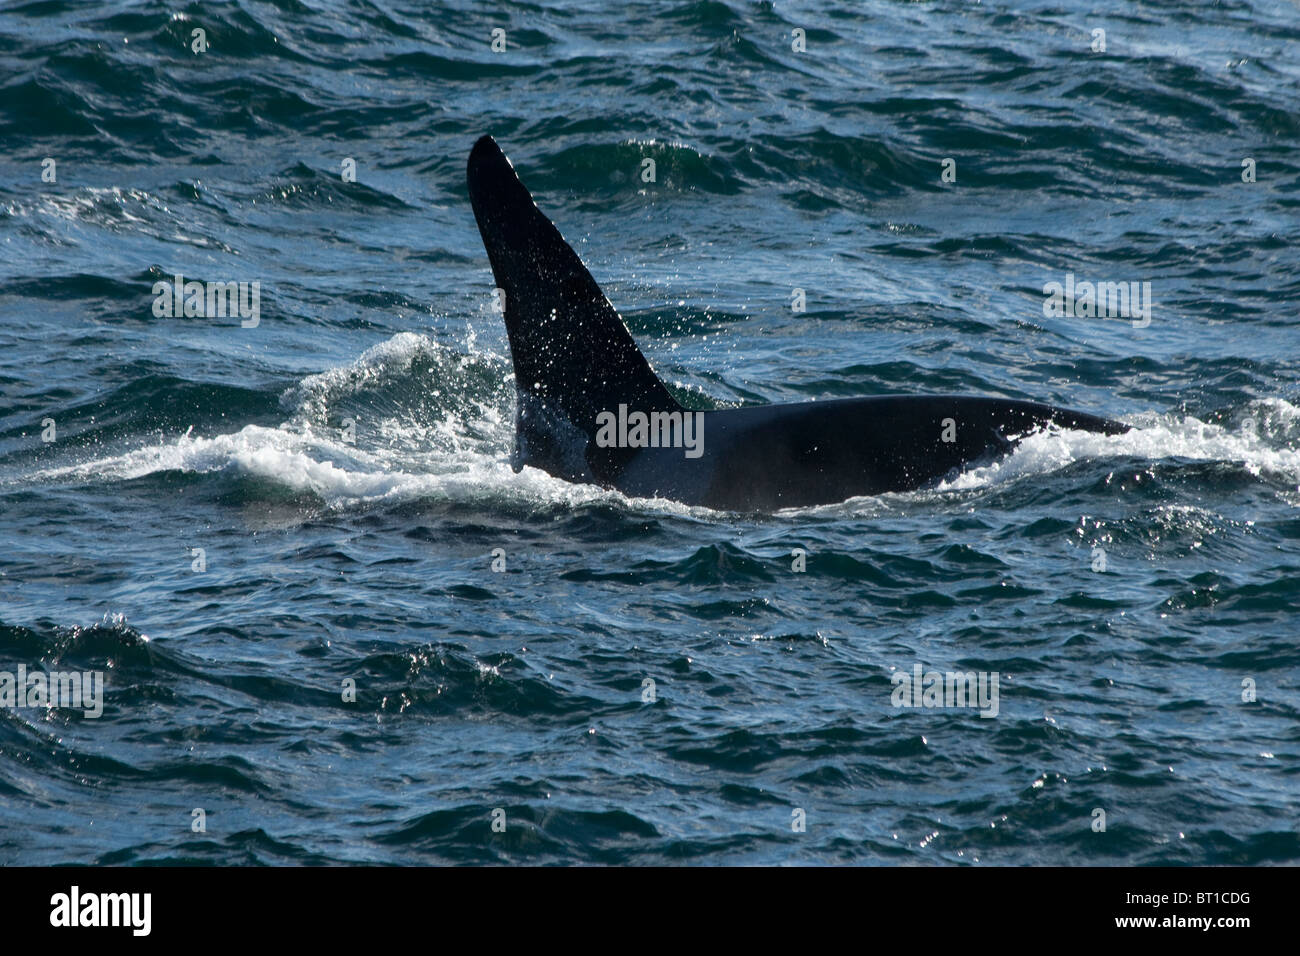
590 409
444 446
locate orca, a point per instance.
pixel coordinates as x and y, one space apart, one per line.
590 409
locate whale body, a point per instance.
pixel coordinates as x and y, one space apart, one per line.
590 408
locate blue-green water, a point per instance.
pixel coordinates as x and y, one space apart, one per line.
524 690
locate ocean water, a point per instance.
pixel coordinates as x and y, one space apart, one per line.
232 523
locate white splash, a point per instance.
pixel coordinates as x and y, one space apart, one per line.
1254 448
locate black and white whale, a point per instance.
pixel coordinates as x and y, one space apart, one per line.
590 409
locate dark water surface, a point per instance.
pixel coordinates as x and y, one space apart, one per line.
328 561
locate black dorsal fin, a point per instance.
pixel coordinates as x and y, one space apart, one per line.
573 355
